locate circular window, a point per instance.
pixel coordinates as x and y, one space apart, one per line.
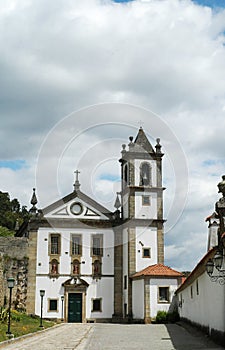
76 208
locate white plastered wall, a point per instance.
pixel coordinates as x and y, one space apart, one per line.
138 299
155 283
207 307
146 237
146 211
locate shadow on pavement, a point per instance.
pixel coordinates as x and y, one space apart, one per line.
185 337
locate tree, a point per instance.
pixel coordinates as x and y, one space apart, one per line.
11 212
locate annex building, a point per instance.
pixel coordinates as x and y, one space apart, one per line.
101 266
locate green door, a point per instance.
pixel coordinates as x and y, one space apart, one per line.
75 307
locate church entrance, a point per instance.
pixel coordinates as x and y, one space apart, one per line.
75 290
74 307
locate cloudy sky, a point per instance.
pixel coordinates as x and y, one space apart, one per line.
77 78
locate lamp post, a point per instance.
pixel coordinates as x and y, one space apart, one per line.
215 267
42 293
11 283
62 299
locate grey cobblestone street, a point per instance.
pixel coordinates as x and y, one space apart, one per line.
111 336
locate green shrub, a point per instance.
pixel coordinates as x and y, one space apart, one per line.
15 315
161 317
167 317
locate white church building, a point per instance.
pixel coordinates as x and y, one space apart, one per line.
95 265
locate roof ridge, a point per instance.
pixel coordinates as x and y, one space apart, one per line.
157 270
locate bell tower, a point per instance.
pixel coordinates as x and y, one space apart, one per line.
142 209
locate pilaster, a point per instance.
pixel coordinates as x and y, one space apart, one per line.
118 274
131 265
32 262
160 245
147 318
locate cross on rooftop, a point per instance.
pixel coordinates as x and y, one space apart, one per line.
77 172
77 183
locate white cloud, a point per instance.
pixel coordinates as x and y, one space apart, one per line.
166 56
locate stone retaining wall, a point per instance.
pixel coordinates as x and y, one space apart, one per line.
14 263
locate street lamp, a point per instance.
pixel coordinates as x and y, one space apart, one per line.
62 299
42 293
11 283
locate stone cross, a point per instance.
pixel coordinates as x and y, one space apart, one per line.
77 172
77 183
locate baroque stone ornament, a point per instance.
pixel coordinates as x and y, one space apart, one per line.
221 186
220 205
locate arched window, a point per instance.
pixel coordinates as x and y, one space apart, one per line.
97 268
126 174
145 174
54 267
76 267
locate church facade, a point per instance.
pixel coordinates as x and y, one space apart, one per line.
95 265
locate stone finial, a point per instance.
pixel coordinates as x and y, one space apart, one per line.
131 144
131 139
77 183
158 146
221 186
117 204
123 148
33 201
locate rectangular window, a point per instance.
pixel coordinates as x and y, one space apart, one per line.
55 244
125 282
146 252
146 200
197 288
76 245
97 305
191 292
164 296
53 305
97 245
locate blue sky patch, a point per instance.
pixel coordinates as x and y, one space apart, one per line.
210 3
122 0
16 164
110 177
210 162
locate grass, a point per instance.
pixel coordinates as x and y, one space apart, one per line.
22 324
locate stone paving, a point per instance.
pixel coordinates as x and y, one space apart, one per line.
64 337
114 337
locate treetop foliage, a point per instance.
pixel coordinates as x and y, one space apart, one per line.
12 214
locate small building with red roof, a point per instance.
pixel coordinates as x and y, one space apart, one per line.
154 287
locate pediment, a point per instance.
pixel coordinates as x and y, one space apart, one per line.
75 282
78 206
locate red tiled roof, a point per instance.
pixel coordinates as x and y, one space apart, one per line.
158 270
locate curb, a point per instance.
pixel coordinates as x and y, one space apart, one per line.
29 335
